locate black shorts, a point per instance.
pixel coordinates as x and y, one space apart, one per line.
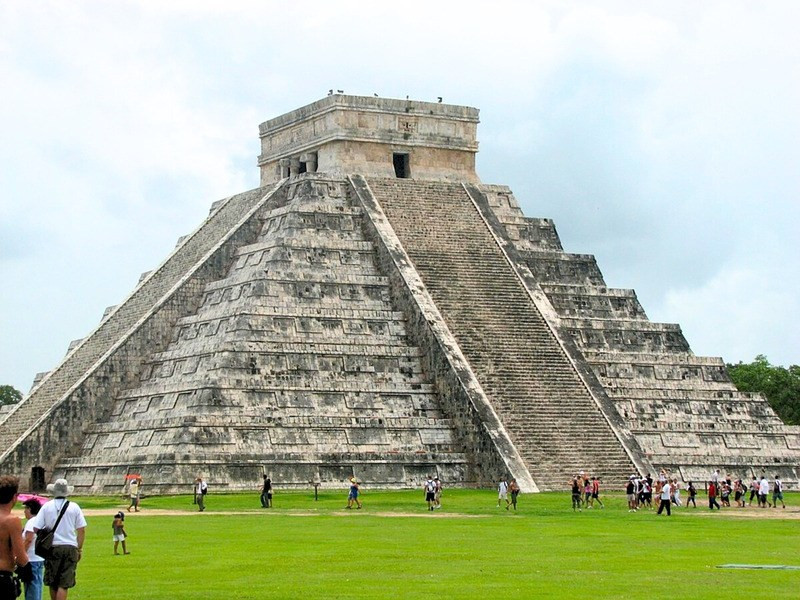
595 495
8 586
430 496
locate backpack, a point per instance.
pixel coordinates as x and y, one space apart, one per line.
204 489
430 486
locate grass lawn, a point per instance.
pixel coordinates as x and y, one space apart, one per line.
469 549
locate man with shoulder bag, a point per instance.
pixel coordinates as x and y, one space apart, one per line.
60 532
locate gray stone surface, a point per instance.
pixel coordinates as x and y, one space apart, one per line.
330 325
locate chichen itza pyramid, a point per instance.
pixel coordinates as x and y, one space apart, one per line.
373 309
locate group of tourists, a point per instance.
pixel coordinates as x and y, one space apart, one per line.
759 491
639 492
47 550
667 491
585 492
433 492
505 489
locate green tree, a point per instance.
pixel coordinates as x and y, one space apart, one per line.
9 395
780 386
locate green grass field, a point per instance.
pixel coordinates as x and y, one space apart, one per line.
394 548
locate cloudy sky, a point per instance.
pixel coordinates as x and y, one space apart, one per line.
661 136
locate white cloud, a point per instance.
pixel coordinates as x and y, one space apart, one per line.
741 312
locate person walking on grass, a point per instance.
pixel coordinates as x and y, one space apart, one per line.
587 493
266 492
200 492
12 548
33 590
119 535
692 491
726 494
596 492
352 497
646 495
513 487
576 494
666 498
763 492
630 493
753 490
777 492
712 496
437 495
67 551
430 493
502 493
135 489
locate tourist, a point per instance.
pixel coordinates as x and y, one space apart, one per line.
666 498
12 548
587 493
118 526
430 492
352 497
692 491
712 496
738 493
134 487
646 495
437 495
266 492
777 492
502 493
60 566
200 492
676 492
34 589
763 492
630 492
596 492
513 487
715 478
753 490
576 494
726 494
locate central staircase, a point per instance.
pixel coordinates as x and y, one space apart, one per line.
550 415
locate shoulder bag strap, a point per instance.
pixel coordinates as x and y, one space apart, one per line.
61 514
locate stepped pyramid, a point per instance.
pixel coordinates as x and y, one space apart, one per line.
374 310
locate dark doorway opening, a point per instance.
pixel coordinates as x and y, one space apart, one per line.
303 168
401 168
37 479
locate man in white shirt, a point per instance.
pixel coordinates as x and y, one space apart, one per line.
763 491
200 493
60 566
666 492
502 493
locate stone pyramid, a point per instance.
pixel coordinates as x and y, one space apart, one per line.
374 310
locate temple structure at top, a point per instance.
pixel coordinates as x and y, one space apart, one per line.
373 309
381 137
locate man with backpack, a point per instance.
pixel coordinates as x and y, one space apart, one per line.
430 493
68 526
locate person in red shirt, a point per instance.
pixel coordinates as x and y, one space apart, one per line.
712 496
